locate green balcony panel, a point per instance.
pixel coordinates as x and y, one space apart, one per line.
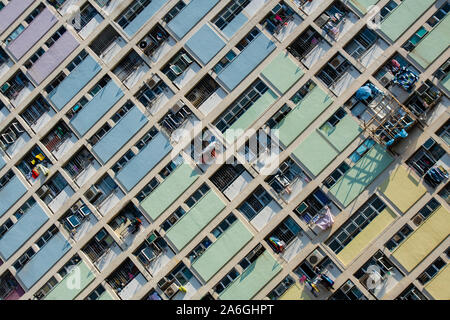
222 250
282 72
169 190
195 220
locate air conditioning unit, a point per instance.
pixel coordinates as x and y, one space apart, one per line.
347 286
144 42
315 257
42 191
171 290
418 220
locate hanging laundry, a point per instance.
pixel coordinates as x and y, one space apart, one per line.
40 157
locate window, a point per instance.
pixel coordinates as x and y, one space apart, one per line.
444 133
24 208
146 138
331 123
247 39
29 63
123 161
100 85
387 9
174 11
95 295
362 150
199 249
122 111
55 37
35 13
224 61
132 12
431 271
227 15
5 227
411 293
47 236
197 195
281 288
77 60
440 14
426 211
241 105
173 218
100 134
55 83
348 292
399 237
224 225
13 35
336 174
278 116
286 231
356 223
46 288
69 265
252 256
147 189
226 281
257 201
303 91
77 107
5 179
23 260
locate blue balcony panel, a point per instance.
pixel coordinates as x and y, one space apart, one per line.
189 16
123 131
205 44
235 25
144 16
31 221
246 61
74 82
96 108
43 260
10 193
144 161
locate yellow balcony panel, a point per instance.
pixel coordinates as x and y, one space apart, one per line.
296 292
402 188
366 236
423 240
439 287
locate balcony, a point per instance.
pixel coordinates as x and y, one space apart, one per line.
259 208
59 140
107 44
288 181
281 21
35 165
82 166
315 270
104 195
206 95
380 271
131 69
128 223
309 47
338 74
336 21
181 69
17 88
180 276
366 47
78 220
287 239
87 21
315 210
62 6
206 150
108 6
398 76
126 280
154 94
308 6
178 121
102 249
13 138
38 114
55 192
231 179
157 43
154 253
